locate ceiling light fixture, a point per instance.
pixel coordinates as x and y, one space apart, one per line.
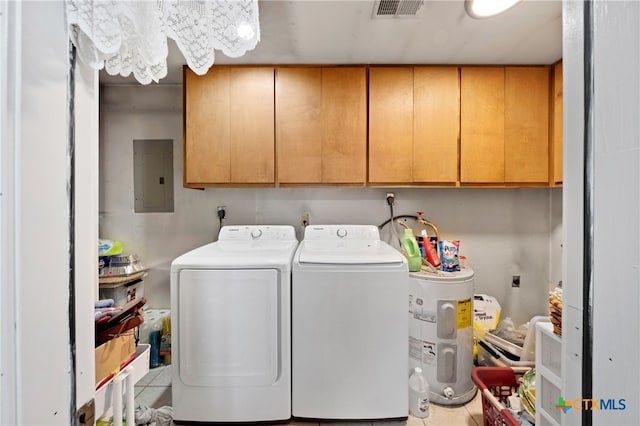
480 9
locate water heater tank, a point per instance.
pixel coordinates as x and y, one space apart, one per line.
441 333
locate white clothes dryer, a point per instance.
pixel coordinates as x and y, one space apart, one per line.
350 327
231 327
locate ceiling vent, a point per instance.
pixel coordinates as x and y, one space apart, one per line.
396 8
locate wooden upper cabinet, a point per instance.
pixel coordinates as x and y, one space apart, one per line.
482 124
229 126
251 126
414 124
436 124
526 142
206 127
344 125
556 123
321 124
391 124
298 126
504 125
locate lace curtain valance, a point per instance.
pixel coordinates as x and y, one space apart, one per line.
129 36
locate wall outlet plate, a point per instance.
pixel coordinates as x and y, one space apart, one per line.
390 198
305 219
515 281
222 212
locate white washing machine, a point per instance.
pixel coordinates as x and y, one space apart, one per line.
231 327
350 326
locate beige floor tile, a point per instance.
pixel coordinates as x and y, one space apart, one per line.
138 389
474 407
446 416
297 422
154 397
411 421
477 418
152 374
164 378
414 421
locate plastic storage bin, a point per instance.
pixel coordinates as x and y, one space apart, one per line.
494 351
491 356
548 375
121 293
496 384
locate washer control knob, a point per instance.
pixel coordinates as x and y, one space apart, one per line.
256 233
341 232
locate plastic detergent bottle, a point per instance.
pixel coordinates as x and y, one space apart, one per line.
418 394
410 246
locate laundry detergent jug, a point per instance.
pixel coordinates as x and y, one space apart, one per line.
410 247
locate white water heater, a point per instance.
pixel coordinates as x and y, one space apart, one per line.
441 333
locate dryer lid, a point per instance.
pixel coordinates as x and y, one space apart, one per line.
243 251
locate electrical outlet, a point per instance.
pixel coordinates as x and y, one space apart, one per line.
222 211
515 281
306 218
391 198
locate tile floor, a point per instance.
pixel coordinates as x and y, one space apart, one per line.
154 390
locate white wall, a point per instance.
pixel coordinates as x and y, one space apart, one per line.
36 381
556 244
86 226
37 388
8 406
616 219
503 232
614 190
573 202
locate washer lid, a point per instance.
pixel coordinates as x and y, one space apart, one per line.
348 252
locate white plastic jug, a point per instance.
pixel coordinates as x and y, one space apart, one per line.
418 394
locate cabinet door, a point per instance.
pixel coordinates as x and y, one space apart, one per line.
390 124
298 125
344 125
436 124
251 132
321 125
228 122
556 120
526 124
482 125
206 128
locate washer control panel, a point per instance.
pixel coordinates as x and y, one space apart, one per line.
257 233
342 232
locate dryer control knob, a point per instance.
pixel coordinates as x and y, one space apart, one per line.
341 232
256 233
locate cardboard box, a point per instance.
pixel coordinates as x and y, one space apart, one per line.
113 355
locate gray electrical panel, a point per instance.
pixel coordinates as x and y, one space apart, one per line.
153 175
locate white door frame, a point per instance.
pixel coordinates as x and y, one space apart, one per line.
38 385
